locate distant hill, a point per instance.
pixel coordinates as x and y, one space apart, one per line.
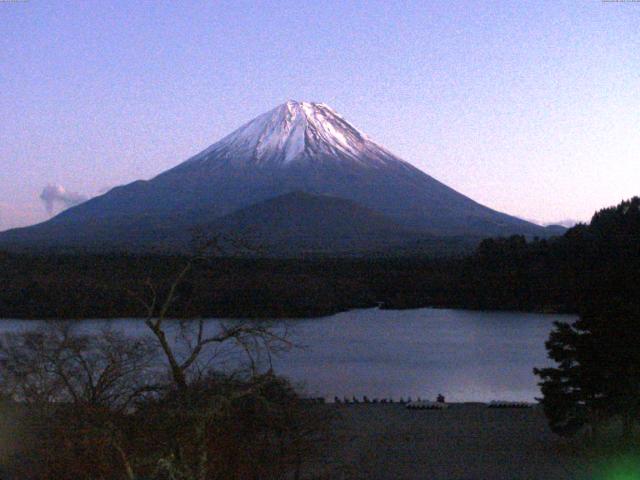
300 222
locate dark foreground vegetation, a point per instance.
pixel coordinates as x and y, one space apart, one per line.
594 388
162 406
553 275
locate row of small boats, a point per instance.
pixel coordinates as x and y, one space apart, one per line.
420 404
429 405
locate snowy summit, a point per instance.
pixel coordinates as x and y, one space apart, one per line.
300 166
297 132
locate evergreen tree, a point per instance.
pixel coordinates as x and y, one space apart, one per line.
597 376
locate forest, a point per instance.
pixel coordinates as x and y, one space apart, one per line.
538 275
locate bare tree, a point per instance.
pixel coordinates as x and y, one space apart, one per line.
194 352
77 386
56 363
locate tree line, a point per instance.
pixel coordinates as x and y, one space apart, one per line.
541 275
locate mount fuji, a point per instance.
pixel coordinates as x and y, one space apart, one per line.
297 154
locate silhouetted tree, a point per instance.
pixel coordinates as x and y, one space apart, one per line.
203 404
597 376
73 391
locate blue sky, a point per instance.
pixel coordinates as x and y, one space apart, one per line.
531 108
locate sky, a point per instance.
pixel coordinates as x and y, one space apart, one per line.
529 107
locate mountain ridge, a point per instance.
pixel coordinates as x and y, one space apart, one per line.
297 146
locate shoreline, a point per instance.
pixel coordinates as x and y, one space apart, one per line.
297 318
466 441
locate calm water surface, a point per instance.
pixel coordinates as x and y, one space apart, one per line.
465 355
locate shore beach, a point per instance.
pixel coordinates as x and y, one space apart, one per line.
466 441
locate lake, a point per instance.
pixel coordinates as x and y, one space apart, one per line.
465 355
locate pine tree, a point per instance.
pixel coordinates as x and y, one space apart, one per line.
597 372
597 376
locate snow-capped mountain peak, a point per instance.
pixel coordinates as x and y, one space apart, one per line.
299 147
296 132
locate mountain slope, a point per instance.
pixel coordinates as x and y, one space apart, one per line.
297 146
299 222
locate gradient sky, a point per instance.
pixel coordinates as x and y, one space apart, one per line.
530 107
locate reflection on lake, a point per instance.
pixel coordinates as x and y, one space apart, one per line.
465 355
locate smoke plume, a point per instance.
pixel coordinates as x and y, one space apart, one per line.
53 195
